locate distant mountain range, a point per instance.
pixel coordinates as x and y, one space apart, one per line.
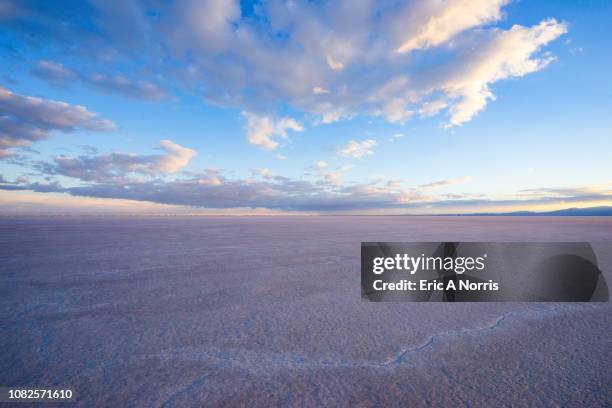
569 212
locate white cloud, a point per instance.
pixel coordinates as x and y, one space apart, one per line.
357 149
396 110
333 178
317 90
396 136
394 184
317 168
261 130
263 172
333 64
210 178
432 108
320 165
176 157
506 54
332 115
427 24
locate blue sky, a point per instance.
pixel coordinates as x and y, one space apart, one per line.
304 107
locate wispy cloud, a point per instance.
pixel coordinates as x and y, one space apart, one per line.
26 119
58 74
396 136
446 183
357 150
431 108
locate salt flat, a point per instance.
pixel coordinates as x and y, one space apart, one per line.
266 311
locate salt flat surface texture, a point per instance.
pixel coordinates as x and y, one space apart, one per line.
227 311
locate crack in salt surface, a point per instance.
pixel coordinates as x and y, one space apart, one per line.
398 359
401 356
258 360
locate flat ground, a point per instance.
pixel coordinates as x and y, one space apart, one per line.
266 311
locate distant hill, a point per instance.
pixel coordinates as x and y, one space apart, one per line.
570 212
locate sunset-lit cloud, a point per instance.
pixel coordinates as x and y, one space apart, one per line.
118 166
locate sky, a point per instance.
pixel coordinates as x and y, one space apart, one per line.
304 107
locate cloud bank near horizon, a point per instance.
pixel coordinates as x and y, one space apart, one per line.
145 178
